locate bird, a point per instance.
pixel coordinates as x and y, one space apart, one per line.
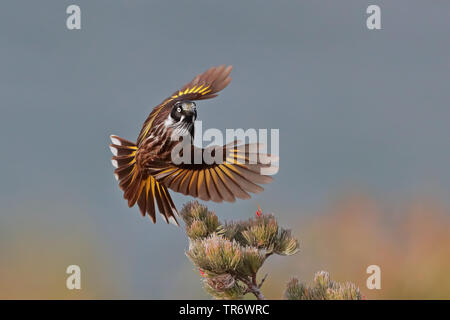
146 170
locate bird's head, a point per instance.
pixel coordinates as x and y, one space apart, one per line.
184 111
182 117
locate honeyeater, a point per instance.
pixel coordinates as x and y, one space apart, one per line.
146 169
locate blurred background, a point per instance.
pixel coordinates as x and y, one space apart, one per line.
364 131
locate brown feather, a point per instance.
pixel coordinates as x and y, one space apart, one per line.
227 180
221 187
145 169
211 187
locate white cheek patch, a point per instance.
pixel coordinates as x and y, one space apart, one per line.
169 122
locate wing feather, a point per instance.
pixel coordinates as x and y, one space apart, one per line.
221 187
201 186
235 177
203 86
184 184
211 187
231 184
150 199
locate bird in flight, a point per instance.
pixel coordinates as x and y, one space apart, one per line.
146 169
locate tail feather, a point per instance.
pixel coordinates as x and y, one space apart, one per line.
137 186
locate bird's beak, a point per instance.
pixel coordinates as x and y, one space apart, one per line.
191 109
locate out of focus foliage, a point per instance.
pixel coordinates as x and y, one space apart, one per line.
408 238
229 256
323 289
409 241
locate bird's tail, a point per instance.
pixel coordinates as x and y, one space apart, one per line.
137 186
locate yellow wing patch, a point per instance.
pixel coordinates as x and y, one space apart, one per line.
202 89
150 121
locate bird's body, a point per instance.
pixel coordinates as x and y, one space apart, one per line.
147 169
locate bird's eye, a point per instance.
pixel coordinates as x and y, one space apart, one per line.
179 110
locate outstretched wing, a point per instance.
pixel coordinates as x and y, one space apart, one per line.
204 86
235 177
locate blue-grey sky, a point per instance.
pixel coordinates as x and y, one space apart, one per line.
356 109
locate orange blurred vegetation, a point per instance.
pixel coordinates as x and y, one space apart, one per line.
410 243
35 255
